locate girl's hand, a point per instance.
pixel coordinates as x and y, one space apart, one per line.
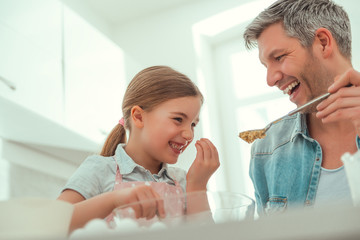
151 203
344 102
204 165
102 205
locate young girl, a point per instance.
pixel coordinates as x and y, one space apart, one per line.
160 111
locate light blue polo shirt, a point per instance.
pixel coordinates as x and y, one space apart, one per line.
96 175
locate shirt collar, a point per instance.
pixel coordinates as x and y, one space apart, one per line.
300 126
127 164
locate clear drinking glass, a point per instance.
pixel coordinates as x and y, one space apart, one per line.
204 207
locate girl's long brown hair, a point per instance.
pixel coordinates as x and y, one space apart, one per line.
149 88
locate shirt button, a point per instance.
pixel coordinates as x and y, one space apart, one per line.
317 159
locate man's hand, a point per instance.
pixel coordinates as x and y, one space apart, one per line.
344 102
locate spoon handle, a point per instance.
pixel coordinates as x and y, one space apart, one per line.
315 100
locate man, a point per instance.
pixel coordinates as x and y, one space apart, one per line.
306 48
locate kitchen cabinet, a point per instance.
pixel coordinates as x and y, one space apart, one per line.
61 66
30 55
94 78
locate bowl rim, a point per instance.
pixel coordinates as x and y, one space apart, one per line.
250 201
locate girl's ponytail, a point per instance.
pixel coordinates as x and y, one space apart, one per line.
116 136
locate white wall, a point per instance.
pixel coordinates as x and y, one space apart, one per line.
353 10
167 38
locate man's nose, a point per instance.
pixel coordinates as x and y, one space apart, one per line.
273 75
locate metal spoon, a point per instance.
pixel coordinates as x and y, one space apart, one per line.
250 135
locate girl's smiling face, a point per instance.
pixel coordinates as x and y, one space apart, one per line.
168 129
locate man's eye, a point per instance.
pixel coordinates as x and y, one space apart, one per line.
193 124
279 57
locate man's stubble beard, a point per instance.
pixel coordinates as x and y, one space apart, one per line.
317 78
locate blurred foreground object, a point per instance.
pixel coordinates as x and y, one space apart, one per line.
34 218
352 169
199 209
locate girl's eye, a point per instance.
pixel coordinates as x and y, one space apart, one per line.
193 124
178 119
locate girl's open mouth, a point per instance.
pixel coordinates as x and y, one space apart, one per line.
177 147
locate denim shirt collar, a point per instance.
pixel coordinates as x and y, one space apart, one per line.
301 129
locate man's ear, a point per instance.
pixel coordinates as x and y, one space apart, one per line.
137 116
324 41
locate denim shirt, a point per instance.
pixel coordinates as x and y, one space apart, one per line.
285 166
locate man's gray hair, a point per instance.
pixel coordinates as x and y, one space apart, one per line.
300 19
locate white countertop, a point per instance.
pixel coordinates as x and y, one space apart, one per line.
328 223
336 222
